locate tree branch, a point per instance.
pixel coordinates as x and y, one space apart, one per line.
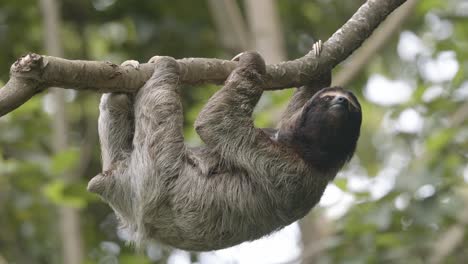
33 73
374 44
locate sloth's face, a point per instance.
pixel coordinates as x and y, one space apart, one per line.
331 109
334 100
329 126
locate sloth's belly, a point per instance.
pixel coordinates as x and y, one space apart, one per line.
218 213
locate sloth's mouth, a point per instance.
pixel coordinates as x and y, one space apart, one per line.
344 105
340 105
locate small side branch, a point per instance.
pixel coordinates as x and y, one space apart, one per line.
22 84
41 72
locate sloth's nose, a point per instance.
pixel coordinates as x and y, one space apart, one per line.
340 100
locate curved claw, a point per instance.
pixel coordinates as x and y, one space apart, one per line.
132 63
251 59
156 58
164 64
237 57
317 48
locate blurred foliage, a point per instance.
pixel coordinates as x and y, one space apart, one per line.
417 178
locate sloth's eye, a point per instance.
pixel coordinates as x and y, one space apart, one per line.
327 98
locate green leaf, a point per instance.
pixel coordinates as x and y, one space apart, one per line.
54 191
126 258
439 140
64 161
72 195
427 5
341 183
388 240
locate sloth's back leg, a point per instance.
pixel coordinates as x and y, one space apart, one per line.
158 141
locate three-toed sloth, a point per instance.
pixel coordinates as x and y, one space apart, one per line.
244 183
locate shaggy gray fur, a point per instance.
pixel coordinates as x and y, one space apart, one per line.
240 186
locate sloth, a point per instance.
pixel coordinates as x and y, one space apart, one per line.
244 182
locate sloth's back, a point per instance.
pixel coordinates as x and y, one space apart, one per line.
213 208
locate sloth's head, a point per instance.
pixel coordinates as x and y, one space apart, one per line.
325 131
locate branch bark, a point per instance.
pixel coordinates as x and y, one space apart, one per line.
33 73
374 44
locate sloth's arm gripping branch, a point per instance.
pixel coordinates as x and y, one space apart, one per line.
32 73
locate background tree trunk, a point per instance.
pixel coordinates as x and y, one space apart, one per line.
231 26
266 30
70 229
